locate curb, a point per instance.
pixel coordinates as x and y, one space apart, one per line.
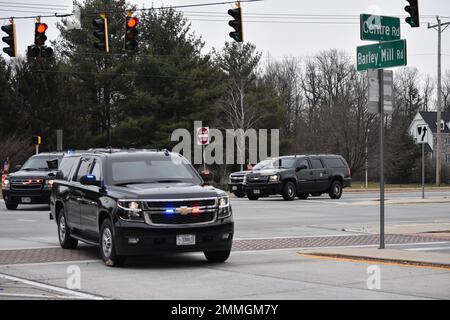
404 262
361 190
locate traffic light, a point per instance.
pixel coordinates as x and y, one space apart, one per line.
101 33
236 23
37 140
10 40
413 10
131 33
39 49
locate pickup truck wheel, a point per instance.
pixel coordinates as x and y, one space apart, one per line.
336 190
217 256
108 246
289 191
65 240
253 198
11 205
303 195
239 194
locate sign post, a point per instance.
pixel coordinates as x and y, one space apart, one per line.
203 139
422 138
389 52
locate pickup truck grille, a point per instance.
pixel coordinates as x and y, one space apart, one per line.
257 179
179 212
26 184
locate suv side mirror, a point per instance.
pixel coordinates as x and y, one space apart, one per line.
206 175
90 180
302 167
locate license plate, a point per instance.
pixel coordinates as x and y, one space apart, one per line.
256 191
26 200
234 188
185 239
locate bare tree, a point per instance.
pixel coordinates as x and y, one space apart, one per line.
428 92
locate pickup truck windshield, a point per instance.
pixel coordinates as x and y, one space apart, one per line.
151 170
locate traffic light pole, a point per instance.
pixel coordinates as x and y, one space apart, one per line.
439 29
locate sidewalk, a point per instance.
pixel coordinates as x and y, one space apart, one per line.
387 256
404 189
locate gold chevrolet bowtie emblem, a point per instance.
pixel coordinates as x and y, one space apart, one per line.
184 210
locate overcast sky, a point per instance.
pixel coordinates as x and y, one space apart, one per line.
299 28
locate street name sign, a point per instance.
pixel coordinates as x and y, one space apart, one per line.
379 28
382 55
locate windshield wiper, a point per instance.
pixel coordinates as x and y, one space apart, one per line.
131 182
168 181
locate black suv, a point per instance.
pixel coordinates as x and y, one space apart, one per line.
236 183
300 175
32 183
134 202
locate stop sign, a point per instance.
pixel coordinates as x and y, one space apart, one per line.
203 136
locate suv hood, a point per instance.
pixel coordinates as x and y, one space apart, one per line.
164 191
239 173
266 172
21 174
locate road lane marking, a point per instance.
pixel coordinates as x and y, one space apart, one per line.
78 294
411 264
428 249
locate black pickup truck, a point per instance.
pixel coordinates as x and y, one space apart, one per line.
32 183
137 202
299 175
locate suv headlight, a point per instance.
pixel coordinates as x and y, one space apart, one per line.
130 210
49 183
5 184
274 178
244 181
224 207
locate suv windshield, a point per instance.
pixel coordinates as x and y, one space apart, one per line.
282 163
151 169
44 163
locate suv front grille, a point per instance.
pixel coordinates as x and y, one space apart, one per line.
178 212
26 184
257 179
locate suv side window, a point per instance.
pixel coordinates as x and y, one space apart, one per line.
66 167
96 169
317 164
83 168
335 163
304 162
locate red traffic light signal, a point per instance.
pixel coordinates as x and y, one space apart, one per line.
41 27
131 33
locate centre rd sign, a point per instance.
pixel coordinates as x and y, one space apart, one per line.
379 28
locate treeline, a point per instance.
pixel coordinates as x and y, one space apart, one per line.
318 103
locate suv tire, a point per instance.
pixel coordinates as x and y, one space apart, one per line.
253 198
289 191
217 256
11 205
336 190
108 246
65 239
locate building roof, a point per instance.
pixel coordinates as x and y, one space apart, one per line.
431 118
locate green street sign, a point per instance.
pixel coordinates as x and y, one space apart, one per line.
379 28
381 55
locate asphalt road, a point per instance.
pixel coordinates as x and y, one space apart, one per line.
262 274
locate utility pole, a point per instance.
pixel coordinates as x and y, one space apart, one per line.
439 27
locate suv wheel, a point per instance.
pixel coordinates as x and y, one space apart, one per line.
336 190
289 191
303 195
251 197
108 247
65 240
11 205
239 194
217 256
